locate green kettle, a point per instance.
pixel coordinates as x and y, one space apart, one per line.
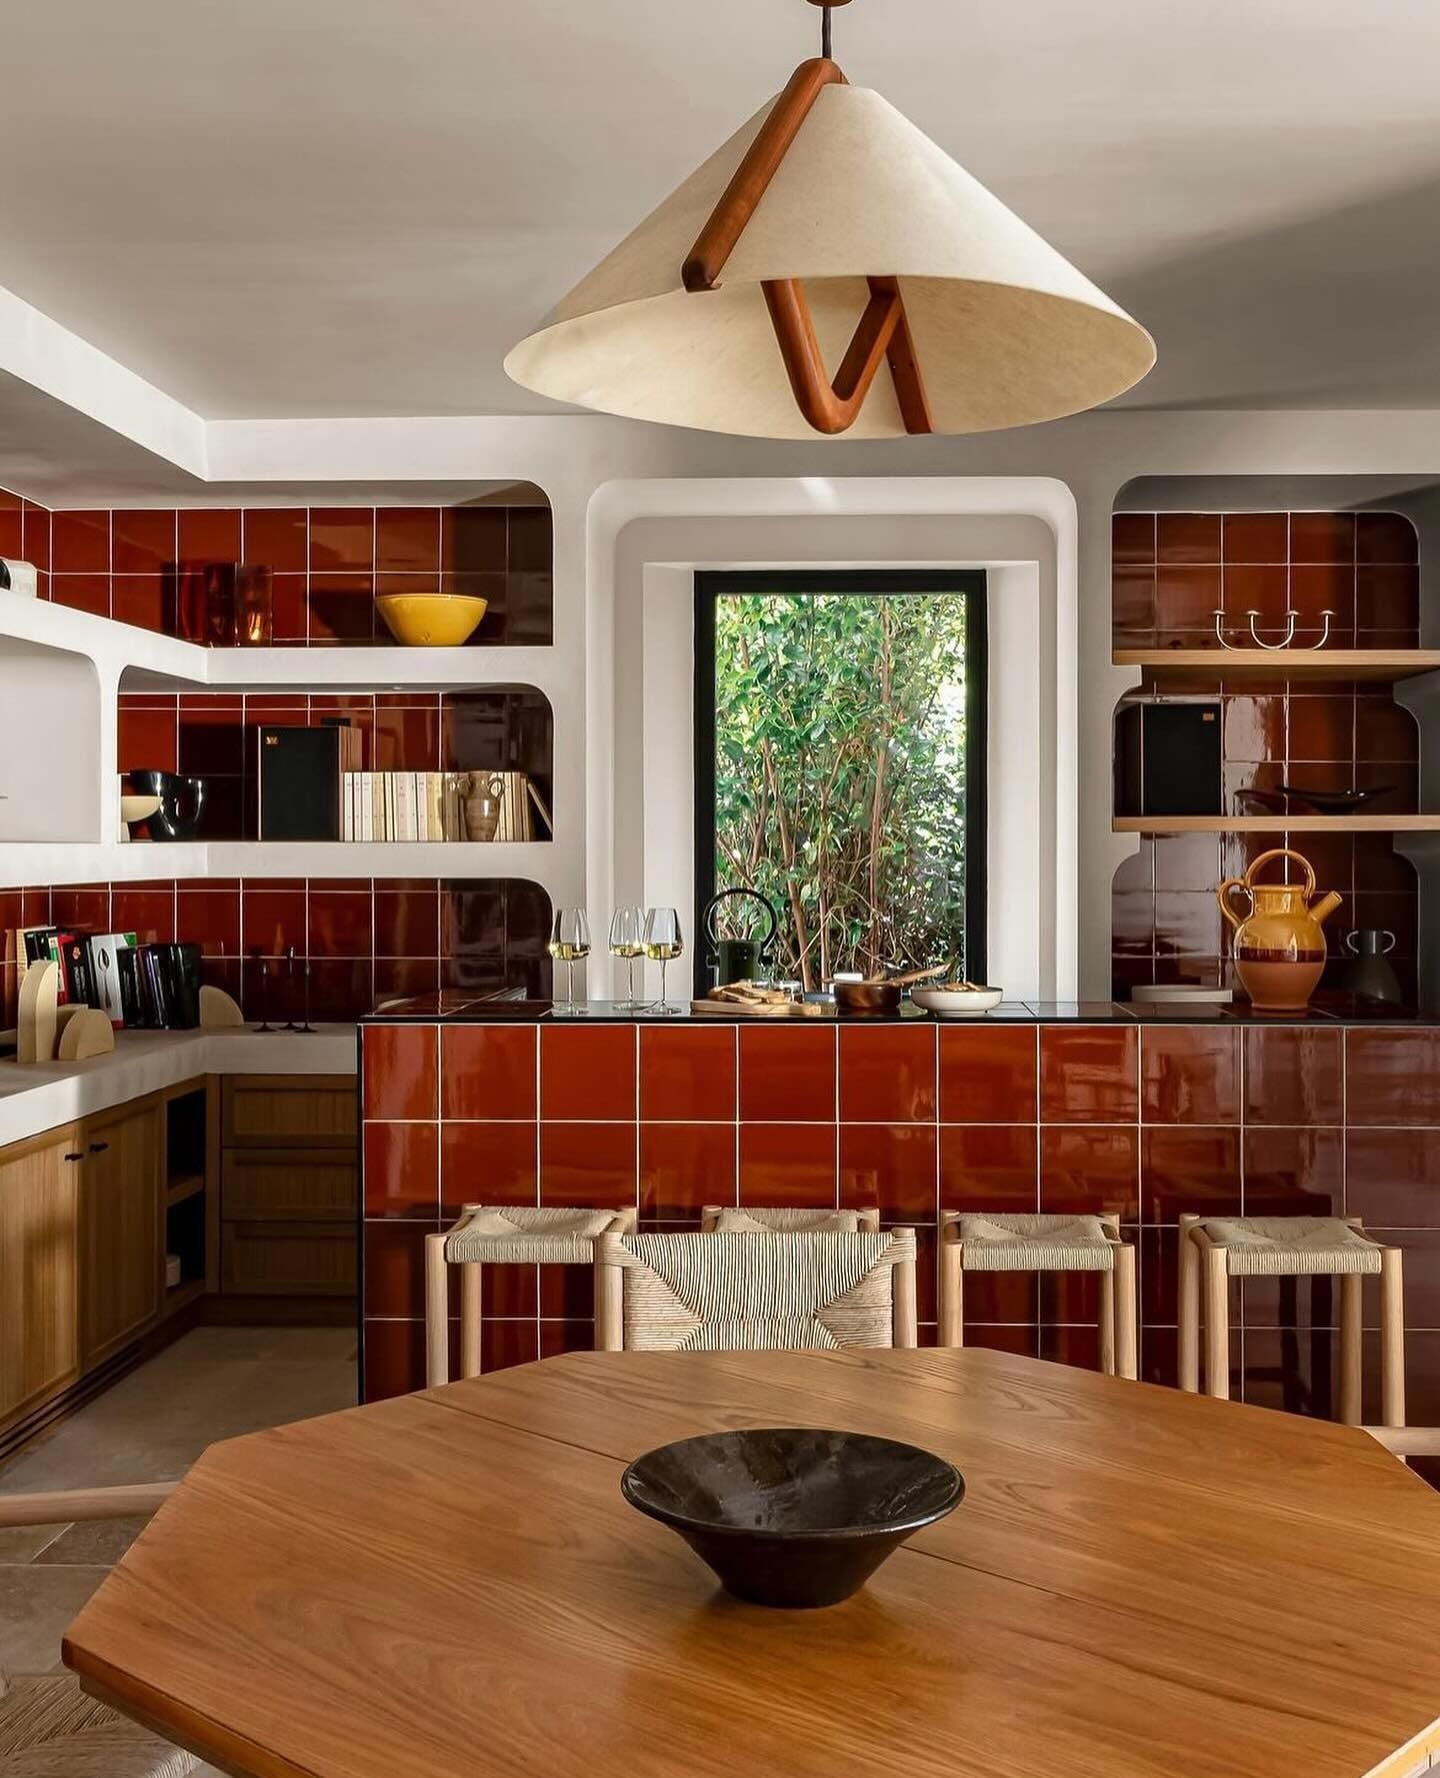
738 959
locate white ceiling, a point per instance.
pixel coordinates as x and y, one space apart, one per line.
347 207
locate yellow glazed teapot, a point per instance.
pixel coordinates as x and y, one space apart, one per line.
1279 947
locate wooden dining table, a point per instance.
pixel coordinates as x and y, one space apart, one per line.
1138 1584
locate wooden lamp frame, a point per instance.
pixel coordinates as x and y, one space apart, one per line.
828 405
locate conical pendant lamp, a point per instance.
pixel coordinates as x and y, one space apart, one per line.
830 271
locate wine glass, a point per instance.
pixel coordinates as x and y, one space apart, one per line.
663 942
627 940
570 944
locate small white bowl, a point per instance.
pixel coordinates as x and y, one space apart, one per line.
957 1002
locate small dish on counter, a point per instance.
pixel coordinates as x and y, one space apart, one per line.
957 1000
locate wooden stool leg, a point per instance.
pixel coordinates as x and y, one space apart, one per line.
470 1319
952 1291
1392 1337
609 1307
1189 1307
1126 1313
1217 1325
1351 1347
1107 1323
437 1313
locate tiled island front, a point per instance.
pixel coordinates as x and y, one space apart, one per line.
1095 1111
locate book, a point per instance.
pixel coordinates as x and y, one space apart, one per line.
403 790
105 967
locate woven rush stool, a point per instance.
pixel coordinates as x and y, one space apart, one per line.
499 1234
755 1291
1215 1249
726 1219
1042 1243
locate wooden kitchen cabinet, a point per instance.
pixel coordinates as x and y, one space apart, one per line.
288 1188
121 1274
39 1206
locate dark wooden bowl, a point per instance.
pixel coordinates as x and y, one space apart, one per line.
791 1517
867 999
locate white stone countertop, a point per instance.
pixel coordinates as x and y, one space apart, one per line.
45 1095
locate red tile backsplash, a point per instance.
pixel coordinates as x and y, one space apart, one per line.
1170 570
215 735
1088 1073
683 1167
488 1072
324 562
988 1075
587 1071
492 936
887 1073
688 1074
787 1075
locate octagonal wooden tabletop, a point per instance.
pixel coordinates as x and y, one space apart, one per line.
1139 1584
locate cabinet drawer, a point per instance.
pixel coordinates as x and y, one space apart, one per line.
287 1259
261 1111
285 1184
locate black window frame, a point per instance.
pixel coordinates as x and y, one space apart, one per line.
713 584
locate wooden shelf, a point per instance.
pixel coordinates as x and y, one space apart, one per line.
182 1189
1386 664
1275 824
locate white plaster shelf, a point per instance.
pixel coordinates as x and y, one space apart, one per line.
145 661
31 864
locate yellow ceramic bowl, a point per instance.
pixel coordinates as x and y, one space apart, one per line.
431 620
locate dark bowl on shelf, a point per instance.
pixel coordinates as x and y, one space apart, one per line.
790 1517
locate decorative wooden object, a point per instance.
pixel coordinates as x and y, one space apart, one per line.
1384 664
1059 1622
882 335
218 1011
38 1012
85 1033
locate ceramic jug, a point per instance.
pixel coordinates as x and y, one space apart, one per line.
1279 947
1369 971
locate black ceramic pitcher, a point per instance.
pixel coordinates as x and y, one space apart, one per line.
1368 971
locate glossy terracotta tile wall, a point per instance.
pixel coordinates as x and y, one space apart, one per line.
364 940
213 735
1171 570
327 563
1144 1120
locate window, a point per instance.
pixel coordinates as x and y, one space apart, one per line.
840 765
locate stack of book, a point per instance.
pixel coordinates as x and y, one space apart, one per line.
145 987
402 806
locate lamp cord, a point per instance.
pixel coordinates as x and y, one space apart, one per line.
825 32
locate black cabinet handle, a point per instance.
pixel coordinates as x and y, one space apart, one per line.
75 1157
98 1147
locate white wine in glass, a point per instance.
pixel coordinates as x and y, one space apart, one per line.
663 943
570 944
627 941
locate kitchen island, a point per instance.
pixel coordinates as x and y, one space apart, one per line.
1083 1107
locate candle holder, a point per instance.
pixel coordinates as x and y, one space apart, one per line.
1256 640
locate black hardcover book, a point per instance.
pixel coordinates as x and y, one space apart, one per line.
132 1009
1168 760
180 965
302 779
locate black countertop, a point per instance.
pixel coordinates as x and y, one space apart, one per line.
454 1007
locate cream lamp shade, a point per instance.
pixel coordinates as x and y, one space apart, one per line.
986 326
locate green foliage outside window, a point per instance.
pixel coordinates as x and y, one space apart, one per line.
840 773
